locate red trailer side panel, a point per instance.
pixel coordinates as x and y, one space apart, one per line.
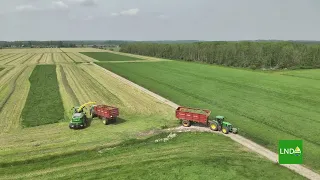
193 114
106 111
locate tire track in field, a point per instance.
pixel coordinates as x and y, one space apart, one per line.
57 58
67 55
63 57
25 61
52 59
82 59
245 142
12 110
8 57
91 85
11 89
4 72
76 86
97 85
38 61
68 87
70 58
4 55
15 59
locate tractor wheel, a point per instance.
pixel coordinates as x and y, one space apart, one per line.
186 123
225 130
213 126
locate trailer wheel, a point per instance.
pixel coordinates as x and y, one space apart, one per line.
213 126
225 130
105 121
186 123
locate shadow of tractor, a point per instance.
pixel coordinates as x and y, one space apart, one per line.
116 122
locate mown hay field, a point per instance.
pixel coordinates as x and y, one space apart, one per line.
78 84
266 107
54 151
106 56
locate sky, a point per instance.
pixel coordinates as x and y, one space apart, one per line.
210 20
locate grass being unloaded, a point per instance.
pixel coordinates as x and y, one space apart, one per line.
106 56
44 104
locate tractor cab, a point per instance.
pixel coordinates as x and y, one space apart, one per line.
226 127
79 116
220 119
78 120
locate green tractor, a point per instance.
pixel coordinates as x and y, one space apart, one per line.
79 118
219 124
78 121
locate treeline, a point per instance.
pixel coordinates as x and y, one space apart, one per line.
60 44
280 54
21 44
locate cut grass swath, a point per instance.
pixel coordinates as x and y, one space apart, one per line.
16 58
16 91
52 58
106 56
7 57
67 94
4 56
14 102
9 84
44 104
39 59
78 57
26 61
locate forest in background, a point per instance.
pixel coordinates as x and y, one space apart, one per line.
247 54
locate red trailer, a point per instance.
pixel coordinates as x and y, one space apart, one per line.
188 115
107 113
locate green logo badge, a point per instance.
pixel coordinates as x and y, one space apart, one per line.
290 152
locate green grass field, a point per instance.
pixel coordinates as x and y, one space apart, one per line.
44 104
266 107
313 74
106 56
181 157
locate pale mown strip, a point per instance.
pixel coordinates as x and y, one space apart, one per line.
77 58
43 60
128 99
82 50
7 81
138 56
135 108
11 111
67 94
50 59
16 58
84 57
4 60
